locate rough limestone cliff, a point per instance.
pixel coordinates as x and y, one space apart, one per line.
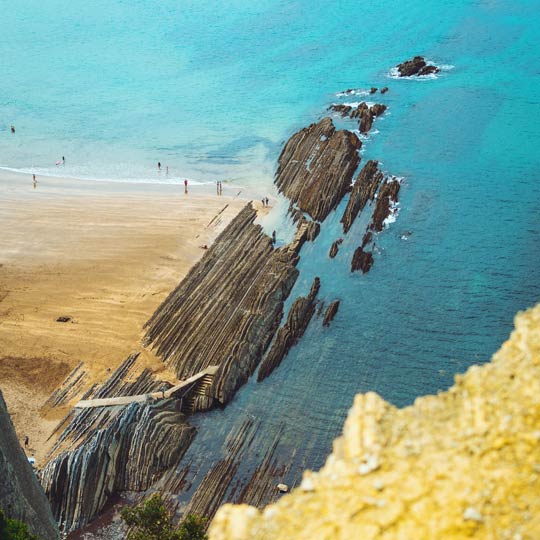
462 464
21 496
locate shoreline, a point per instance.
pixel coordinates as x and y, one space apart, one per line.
103 254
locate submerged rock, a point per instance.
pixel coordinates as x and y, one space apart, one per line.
330 313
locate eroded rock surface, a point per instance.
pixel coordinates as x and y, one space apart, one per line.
363 190
288 335
227 309
316 167
334 248
362 260
330 312
21 496
462 464
104 450
386 199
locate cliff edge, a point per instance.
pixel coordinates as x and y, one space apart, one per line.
462 464
21 496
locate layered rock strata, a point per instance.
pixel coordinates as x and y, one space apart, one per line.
363 112
362 260
330 312
288 335
105 450
316 167
386 201
461 464
364 190
21 496
334 248
228 308
416 67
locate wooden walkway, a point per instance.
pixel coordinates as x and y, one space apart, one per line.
141 398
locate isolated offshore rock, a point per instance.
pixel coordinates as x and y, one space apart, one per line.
386 198
227 309
330 313
21 496
335 248
105 450
363 190
384 90
362 260
316 167
417 66
288 335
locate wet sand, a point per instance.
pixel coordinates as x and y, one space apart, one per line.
102 254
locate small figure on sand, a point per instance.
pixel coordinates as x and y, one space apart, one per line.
12 128
26 441
185 185
34 180
273 237
167 170
220 188
262 200
162 390
266 201
159 166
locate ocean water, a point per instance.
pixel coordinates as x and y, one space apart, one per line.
214 89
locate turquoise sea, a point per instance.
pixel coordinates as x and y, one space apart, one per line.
213 89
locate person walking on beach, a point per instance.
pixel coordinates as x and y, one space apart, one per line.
185 185
217 187
34 180
266 201
26 441
220 188
273 237
63 160
12 128
167 170
159 166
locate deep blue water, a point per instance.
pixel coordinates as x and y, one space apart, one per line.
214 90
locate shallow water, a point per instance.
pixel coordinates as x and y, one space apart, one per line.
214 91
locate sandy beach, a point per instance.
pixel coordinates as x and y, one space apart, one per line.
104 255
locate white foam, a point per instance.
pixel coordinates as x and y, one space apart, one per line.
354 92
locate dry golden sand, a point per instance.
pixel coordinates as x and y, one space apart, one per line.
103 254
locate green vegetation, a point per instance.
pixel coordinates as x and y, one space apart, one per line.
13 529
150 520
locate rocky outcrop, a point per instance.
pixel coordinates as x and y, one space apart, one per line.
416 67
106 450
363 190
384 90
462 464
386 201
362 260
227 309
363 112
316 167
288 335
330 313
334 248
21 496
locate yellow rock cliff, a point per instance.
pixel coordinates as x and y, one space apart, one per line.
462 464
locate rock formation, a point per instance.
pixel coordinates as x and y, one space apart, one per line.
416 67
105 450
335 248
288 335
462 464
330 312
21 496
362 260
316 167
363 190
227 309
363 112
386 199
384 90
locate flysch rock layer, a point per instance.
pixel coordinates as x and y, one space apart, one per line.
416 67
288 335
106 450
316 167
462 464
21 496
226 311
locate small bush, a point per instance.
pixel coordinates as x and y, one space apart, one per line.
150 520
